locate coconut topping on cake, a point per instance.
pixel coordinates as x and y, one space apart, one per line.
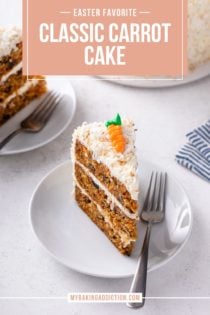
96 138
9 38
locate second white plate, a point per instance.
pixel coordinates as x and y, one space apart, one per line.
59 121
70 237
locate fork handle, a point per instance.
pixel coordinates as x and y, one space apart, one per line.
9 137
140 278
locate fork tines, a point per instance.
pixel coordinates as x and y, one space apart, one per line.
47 106
156 194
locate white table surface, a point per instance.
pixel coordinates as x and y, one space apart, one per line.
163 117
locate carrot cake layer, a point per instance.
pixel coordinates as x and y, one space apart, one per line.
19 101
14 83
91 209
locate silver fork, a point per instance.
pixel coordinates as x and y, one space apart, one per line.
153 212
38 119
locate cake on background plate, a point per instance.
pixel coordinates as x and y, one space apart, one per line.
198 50
15 90
198 32
105 178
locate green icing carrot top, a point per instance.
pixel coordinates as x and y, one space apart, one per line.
116 121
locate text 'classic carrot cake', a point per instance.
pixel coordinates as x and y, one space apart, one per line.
105 178
15 90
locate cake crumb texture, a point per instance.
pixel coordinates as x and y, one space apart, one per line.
90 209
114 215
20 101
102 173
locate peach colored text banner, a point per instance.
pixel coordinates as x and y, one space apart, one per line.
112 37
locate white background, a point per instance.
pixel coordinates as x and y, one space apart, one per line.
163 117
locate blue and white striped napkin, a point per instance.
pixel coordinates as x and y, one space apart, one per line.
195 155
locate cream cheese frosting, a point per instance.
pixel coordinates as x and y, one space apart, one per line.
9 38
122 166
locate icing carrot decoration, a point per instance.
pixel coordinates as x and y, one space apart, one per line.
116 134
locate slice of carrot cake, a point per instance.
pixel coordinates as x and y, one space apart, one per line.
105 178
15 90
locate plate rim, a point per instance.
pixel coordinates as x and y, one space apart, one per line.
202 71
85 272
55 136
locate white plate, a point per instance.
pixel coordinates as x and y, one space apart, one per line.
70 236
59 121
199 73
